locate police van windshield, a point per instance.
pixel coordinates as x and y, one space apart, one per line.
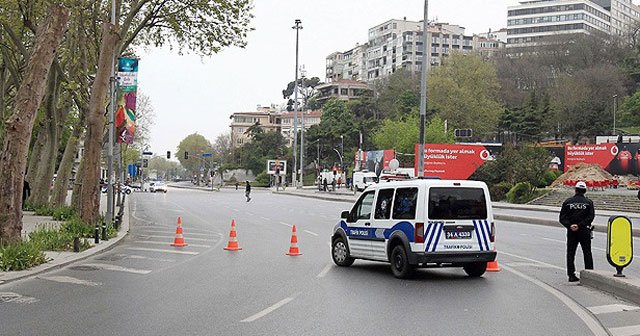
457 203
370 179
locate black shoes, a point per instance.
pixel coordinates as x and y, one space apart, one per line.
573 278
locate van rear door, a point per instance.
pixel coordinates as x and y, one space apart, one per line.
458 220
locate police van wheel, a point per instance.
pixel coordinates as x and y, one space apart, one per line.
340 253
475 270
400 263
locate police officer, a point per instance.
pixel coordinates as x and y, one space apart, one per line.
577 215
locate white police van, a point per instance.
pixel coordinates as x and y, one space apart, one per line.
419 223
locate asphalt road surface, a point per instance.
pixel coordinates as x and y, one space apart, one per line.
145 287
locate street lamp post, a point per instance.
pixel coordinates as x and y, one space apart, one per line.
111 123
340 156
302 133
423 86
297 27
615 106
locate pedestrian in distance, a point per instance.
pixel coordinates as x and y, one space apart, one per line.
576 215
324 184
26 191
237 184
333 185
247 191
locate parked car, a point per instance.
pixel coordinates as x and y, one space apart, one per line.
361 180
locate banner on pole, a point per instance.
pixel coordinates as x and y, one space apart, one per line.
126 99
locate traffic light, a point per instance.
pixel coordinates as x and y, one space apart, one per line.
186 155
168 155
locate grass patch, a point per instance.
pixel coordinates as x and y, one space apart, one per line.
63 213
20 256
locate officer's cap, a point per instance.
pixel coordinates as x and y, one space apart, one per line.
581 185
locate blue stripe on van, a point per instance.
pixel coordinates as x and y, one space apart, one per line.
427 233
475 227
431 235
484 235
439 230
486 224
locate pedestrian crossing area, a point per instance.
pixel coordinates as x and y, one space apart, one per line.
608 314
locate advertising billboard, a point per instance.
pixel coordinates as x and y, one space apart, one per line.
273 165
125 114
453 162
617 159
377 161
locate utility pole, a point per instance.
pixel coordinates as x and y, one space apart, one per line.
615 106
297 27
423 85
111 123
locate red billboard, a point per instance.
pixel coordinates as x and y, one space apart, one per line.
617 159
452 162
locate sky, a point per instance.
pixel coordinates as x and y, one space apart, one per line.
193 94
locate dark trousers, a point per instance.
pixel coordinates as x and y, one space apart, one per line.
582 237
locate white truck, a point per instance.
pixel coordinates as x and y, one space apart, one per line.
361 180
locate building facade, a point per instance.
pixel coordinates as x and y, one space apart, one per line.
343 89
536 22
397 44
308 118
241 121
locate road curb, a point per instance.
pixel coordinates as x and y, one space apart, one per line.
550 222
625 288
46 267
324 198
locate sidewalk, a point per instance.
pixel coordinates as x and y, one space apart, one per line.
60 259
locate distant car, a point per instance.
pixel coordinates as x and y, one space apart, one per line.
158 186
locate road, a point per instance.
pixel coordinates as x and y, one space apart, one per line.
145 287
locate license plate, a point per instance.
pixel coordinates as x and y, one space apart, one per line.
458 235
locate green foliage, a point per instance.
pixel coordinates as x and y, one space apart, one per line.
527 122
629 112
520 193
499 191
63 213
43 210
264 146
397 95
20 256
464 91
262 180
435 134
549 177
196 145
77 228
401 135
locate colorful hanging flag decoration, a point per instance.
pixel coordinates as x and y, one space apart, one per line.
126 99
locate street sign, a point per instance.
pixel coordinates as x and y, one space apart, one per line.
273 165
619 243
463 133
207 155
147 153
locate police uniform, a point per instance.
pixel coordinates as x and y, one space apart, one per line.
578 210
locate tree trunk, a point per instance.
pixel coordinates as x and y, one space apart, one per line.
13 159
60 187
36 152
89 193
77 187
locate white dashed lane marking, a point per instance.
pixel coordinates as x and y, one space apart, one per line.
166 244
285 224
116 268
71 280
311 233
268 310
613 308
186 237
147 232
625 331
324 271
10 297
162 250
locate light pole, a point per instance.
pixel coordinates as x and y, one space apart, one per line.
615 106
303 73
111 122
423 86
297 27
342 149
340 156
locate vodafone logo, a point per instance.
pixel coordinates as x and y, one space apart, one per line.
485 155
614 150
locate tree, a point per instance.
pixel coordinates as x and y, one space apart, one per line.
396 95
401 135
18 128
464 91
196 145
204 27
306 91
264 146
435 132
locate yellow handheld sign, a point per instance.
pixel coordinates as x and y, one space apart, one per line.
619 243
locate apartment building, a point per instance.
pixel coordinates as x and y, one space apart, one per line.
267 117
397 44
342 89
536 22
309 118
350 64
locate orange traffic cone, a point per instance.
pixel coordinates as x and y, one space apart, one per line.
232 245
492 266
179 240
293 250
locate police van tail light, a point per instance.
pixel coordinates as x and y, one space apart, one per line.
419 235
493 232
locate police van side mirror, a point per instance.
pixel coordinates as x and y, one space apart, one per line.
345 215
